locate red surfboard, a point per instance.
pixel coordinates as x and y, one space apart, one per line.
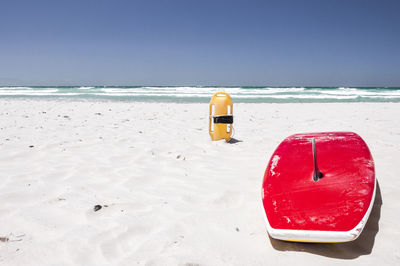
319 187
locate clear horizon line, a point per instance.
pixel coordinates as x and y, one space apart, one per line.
224 86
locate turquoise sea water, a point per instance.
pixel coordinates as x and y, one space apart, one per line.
203 94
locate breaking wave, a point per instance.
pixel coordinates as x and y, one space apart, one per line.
203 94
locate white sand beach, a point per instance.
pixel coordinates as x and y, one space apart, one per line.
169 195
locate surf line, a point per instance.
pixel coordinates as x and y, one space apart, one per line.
317 173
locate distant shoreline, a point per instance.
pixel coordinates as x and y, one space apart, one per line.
202 94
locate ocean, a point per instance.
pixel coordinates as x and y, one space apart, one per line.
200 94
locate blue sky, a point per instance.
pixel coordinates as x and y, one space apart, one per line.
272 43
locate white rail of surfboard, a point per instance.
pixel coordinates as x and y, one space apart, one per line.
321 236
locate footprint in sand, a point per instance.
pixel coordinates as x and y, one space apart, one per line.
229 199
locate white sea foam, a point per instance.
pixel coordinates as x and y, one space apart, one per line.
85 88
254 94
26 92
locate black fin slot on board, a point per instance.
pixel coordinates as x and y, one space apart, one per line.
317 173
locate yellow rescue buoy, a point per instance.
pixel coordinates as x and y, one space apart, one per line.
221 118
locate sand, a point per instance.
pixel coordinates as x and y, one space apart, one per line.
169 195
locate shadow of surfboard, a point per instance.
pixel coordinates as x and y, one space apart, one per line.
363 245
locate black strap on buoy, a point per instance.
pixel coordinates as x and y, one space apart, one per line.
223 119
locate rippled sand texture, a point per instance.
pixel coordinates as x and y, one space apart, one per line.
169 195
